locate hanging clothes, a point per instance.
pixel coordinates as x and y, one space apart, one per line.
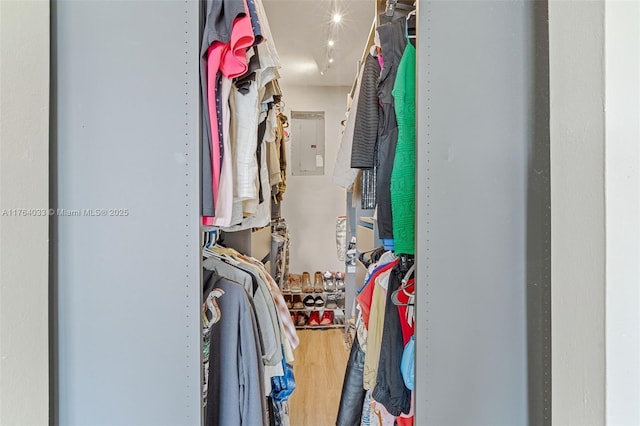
273 330
365 294
353 393
266 315
239 72
403 176
224 201
365 133
390 389
274 301
283 123
227 34
236 382
393 43
343 174
375 328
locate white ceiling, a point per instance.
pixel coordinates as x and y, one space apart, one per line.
299 29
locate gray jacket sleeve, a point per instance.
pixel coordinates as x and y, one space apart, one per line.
236 375
267 316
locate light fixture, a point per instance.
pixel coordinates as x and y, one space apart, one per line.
332 29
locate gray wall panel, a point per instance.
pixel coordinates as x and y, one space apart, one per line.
126 78
473 142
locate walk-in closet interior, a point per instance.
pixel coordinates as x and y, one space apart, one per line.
287 197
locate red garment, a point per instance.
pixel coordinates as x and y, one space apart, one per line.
230 59
366 295
404 421
407 419
407 330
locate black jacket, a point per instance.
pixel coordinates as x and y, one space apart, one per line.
365 132
393 41
353 393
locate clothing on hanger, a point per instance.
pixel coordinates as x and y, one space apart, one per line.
238 377
239 72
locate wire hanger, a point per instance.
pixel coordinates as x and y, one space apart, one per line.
406 25
404 285
392 5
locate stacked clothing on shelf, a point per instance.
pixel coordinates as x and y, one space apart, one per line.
249 339
243 144
375 390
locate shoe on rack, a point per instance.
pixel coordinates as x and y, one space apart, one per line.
318 286
319 302
301 319
295 283
338 318
327 318
309 302
297 302
339 281
329 283
314 318
331 304
307 287
288 302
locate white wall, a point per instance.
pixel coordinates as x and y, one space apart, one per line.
24 183
622 46
576 61
312 203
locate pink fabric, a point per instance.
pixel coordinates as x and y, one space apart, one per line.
234 62
230 59
214 58
380 414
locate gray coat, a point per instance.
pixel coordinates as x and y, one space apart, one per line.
236 376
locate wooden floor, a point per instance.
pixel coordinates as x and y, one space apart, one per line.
321 359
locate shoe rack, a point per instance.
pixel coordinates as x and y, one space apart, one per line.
316 305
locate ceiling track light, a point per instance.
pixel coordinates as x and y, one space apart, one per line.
332 28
